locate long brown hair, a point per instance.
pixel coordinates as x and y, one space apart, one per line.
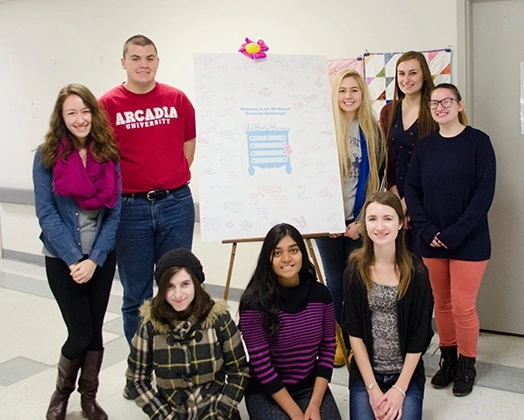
363 258
100 138
426 124
164 312
375 142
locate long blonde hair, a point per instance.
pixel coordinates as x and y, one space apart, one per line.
375 142
364 257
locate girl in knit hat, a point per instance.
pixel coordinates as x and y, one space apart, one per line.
191 344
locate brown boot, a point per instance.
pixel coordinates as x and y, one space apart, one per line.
340 358
65 384
88 385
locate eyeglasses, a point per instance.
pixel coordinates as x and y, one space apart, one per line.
446 103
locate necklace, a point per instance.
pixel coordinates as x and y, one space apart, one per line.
83 155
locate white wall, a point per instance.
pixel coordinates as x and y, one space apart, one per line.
20 228
48 44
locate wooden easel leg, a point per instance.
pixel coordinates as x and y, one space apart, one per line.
230 270
315 261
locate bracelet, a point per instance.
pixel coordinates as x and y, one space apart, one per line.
371 386
399 389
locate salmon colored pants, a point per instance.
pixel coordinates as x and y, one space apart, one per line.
455 286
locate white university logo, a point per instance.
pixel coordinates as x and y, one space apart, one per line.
146 118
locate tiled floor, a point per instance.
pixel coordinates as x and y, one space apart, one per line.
32 332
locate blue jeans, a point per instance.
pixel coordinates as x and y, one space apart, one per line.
262 406
334 253
147 230
360 409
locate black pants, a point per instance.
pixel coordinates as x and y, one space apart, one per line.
83 306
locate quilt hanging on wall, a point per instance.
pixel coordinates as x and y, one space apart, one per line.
379 70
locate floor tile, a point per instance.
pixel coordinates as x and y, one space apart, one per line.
19 368
30 318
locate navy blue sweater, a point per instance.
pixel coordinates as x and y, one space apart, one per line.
449 189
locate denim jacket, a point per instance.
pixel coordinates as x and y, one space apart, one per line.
58 217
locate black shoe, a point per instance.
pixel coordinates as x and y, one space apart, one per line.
447 363
127 393
466 374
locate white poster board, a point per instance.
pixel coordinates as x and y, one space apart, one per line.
266 146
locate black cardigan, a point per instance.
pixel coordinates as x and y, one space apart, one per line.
414 310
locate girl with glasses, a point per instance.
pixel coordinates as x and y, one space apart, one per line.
449 190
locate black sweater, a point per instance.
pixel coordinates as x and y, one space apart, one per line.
449 189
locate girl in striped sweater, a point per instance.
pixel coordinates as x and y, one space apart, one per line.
287 320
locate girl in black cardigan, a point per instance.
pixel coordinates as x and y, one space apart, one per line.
388 310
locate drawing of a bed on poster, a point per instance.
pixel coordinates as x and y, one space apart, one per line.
266 146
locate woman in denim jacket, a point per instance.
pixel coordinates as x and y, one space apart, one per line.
77 196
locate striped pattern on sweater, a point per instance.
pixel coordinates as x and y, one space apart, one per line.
304 347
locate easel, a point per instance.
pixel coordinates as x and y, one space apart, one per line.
234 243
311 250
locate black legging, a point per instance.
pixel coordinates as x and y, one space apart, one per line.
83 306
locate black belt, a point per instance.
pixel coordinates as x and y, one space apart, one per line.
154 195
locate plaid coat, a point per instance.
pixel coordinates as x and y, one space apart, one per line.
200 366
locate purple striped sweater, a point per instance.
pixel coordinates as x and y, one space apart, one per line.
305 344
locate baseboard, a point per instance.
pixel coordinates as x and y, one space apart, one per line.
36 259
25 257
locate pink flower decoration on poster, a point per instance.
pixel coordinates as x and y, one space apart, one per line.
254 50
